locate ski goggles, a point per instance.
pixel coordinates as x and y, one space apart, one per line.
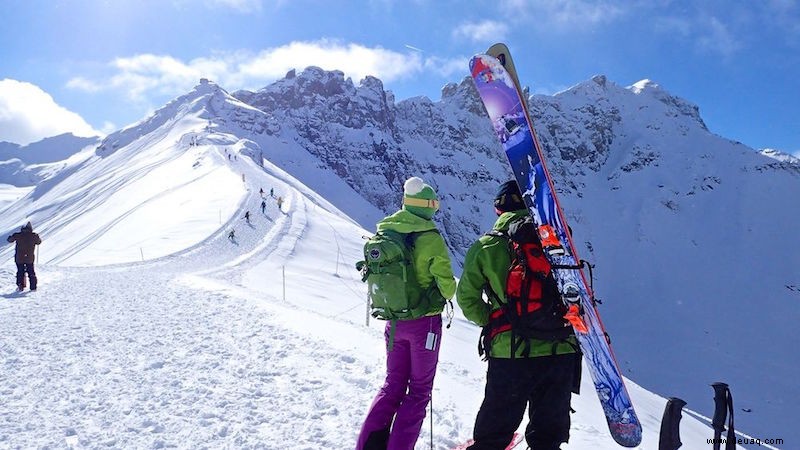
421 202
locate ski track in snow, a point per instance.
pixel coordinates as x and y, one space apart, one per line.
132 359
159 366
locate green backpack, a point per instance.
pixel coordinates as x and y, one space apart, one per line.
388 270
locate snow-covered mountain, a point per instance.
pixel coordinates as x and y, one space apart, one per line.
22 167
48 150
693 235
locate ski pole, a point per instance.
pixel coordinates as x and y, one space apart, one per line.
431 418
708 420
367 322
720 413
670 434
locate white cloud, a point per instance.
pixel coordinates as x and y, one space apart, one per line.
488 30
239 5
717 38
567 13
29 114
446 67
234 6
355 60
138 76
143 75
674 26
108 127
708 34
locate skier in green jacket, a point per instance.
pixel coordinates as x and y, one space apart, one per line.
540 374
395 418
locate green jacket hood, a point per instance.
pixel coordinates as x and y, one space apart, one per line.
505 219
405 222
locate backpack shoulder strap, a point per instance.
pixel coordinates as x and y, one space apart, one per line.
392 234
498 233
411 238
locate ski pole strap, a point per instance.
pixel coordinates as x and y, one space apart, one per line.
723 407
449 313
730 443
720 413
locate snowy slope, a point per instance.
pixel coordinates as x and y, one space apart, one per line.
207 352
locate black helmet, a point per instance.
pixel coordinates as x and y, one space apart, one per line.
508 197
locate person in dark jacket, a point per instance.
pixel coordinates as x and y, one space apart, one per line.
26 242
540 375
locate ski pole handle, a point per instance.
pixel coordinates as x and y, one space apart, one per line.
670 435
720 406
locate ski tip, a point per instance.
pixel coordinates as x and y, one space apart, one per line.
627 435
486 69
499 47
481 59
632 443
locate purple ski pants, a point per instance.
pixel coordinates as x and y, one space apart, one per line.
410 368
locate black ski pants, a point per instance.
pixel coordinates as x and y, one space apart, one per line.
543 384
22 268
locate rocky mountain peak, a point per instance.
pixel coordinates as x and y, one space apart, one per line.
679 106
600 80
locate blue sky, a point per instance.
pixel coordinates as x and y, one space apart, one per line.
100 65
